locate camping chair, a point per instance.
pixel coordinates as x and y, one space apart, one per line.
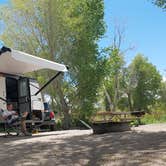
11 126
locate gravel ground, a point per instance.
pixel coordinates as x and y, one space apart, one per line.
143 146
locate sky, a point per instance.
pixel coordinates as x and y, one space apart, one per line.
3 1
145 29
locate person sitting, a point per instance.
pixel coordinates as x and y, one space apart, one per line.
23 117
12 116
9 115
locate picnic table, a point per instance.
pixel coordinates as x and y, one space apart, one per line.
114 121
113 117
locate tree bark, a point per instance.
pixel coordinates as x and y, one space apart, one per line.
108 98
129 101
64 106
116 88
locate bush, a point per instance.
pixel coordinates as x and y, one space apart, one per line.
135 123
156 116
58 124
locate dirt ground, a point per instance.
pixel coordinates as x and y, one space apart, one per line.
143 146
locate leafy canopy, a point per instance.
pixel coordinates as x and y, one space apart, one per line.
148 82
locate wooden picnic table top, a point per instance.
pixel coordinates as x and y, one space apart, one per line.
122 113
113 113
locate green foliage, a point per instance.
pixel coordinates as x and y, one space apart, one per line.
156 116
86 66
148 82
115 61
137 87
113 70
160 3
123 104
59 125
135 123
162 94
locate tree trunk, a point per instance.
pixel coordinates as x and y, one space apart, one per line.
108 98
116 88
64 106
65 110
129 101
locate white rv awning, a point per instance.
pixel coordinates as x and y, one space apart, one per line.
17 62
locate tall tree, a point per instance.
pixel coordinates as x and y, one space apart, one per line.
114 67
148 81
128 84
112 80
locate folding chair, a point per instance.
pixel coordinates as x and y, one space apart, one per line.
12 125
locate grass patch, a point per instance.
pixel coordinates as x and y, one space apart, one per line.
156 116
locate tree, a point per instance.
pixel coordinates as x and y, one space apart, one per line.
114 67
112 79
67 32
128 84
148 81
162 94
160 3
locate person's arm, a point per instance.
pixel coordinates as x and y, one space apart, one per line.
6 114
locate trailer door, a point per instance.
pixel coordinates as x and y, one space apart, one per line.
24 99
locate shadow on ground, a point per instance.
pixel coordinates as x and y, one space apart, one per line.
125 148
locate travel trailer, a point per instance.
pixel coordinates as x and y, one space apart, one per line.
23 92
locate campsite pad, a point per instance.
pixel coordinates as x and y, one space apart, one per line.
145 146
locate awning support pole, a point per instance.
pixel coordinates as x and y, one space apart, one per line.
3 99
45 85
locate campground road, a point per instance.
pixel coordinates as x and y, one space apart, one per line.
144 146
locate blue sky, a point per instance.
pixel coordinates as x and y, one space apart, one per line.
3 1
145 29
